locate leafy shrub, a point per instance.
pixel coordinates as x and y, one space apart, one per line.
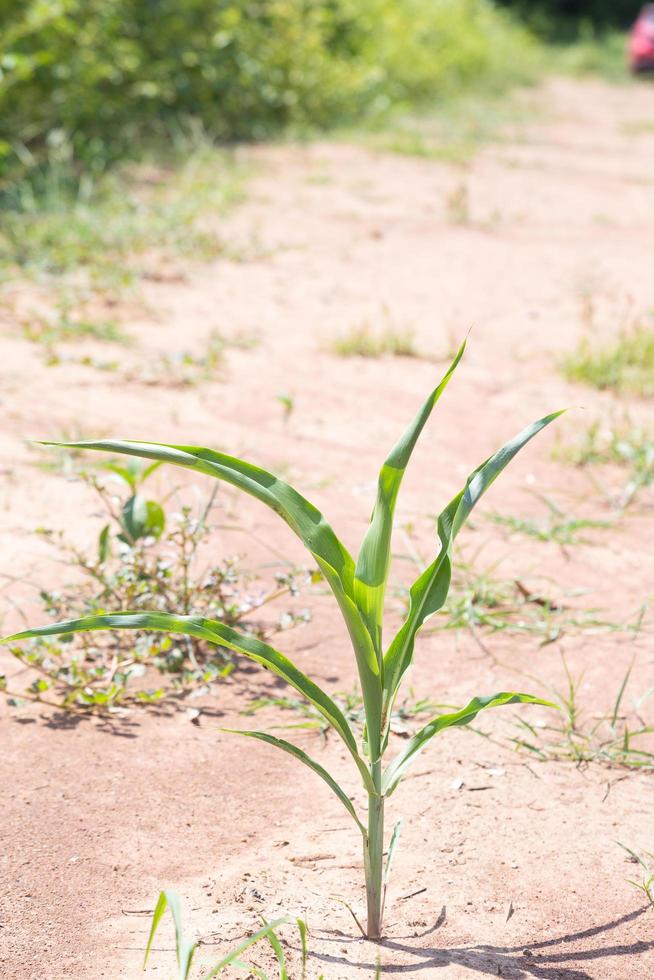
147 557
103 72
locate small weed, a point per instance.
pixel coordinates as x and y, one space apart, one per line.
485 604
362 342
288 404
71 319
623 444
608 739
558 527
185 368
625 366
645 860
144 557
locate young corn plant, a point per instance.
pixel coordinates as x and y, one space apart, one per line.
359 589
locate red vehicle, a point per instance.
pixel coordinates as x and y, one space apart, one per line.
641 41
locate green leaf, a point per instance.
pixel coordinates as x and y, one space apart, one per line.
279 953
392 847
429 591
304 519
142 518
104 544
334 560
308 761
303 930
371 570
215 632
185 948
232 957
398 766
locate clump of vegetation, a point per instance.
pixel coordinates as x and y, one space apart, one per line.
645 861
147 557
557 527
611 738
104 75
623 444
487 604
185 948
360 341
57 220
359 588
625 366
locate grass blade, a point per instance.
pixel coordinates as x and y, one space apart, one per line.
374 557
281 743
398 766
304 931
429 591
395 839
232 957
218 633
279 953
304 519
185 948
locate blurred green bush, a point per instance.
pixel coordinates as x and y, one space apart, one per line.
103 76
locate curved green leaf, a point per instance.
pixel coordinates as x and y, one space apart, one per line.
301 515
333 558
298 753
396 770
429 591
372 564
232 958
184 948
215 632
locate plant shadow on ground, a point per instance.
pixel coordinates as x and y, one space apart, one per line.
247 686
520 961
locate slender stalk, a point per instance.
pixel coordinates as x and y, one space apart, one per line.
373 856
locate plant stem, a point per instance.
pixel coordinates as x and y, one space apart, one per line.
374 856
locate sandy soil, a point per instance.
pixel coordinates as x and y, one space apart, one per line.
508 867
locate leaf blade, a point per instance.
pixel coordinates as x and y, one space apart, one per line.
371 571
216 632
298 753
429 591
464 716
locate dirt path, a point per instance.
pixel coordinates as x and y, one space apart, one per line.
557 232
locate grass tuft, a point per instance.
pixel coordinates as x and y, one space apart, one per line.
360 341
625 366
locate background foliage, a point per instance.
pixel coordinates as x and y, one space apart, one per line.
97 74
552 16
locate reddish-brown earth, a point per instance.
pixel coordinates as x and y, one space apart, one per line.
98 815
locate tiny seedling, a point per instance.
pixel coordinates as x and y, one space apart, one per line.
645 861
185 948
359 588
